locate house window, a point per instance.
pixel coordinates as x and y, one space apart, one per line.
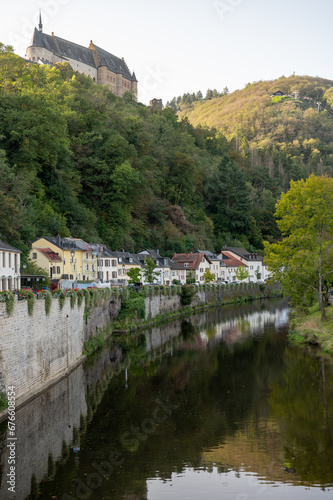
87 267
114 263
34 255
87 255
251 267
58 269
107 263
3 259
70 276
186 264
10 260
201 270
100 263
114 274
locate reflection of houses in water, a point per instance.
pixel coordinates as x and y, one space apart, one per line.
253 324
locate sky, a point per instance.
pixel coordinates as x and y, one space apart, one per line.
179 46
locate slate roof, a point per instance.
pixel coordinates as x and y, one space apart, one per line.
9 248
70 50
114 63
67 243
159 260
63 48
176 265
125 258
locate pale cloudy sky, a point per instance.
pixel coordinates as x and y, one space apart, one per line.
177 46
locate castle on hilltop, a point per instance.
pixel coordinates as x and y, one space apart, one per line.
103 67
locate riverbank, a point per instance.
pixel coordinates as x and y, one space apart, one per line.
311 330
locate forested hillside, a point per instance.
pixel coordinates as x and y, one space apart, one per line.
76 160
288 137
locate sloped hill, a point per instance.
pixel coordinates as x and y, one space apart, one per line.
252 110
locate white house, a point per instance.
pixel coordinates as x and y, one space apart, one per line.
254 262
162 269
10 257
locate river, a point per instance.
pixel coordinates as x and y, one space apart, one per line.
214 406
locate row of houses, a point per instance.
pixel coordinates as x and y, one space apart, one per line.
69 261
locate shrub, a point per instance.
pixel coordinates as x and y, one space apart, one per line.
3 400
73 297
187 294
80 295
48 302
8 297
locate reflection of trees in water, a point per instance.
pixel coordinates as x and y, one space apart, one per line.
303 405
217 391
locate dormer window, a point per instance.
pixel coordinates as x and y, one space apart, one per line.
120 259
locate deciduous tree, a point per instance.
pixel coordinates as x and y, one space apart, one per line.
303 259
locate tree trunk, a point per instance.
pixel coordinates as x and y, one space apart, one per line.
320 299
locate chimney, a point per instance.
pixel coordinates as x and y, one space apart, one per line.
58 240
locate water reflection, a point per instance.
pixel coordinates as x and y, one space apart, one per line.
217 394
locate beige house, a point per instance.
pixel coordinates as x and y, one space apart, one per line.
194 263
9 267
102 66
48 259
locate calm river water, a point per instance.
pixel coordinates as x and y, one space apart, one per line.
214 406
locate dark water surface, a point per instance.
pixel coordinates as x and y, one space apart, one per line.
216 406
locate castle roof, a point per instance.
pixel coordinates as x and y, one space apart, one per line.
113 63
63 48
70 50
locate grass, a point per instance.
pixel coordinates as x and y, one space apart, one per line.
310 329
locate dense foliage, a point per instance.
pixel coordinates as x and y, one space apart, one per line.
76 160
303 260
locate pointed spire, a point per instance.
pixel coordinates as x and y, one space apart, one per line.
40 26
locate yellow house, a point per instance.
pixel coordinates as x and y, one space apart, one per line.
79 260
48 259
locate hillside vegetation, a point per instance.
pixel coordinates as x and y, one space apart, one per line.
288 137
76 160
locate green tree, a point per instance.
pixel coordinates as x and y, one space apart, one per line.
242 273
134 275
303 259
208 276
148 271
190 277
228 197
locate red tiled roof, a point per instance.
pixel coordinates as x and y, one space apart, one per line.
193 259
231 261
50 254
